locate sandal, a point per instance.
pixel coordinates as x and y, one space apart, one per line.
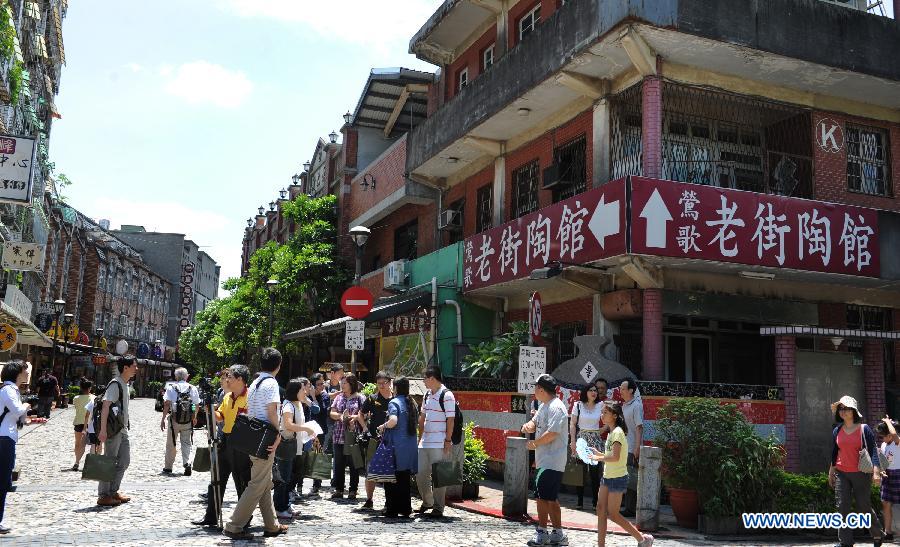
282 529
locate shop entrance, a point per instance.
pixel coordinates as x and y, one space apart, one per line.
688 357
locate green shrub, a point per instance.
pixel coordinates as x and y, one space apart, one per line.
497 358
475 463
369 389
74 390
810 493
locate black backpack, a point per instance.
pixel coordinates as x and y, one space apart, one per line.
457 436
183 413
114 421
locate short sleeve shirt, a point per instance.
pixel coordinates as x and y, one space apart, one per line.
378 407
552 416
263 392
47 386
634 416
180 387
89 409
892 453
113 394
230 408
614 470
352 405
436 417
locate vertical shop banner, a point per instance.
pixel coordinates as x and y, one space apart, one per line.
16 168
186 307
709 223
581 229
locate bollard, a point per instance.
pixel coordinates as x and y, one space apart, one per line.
515 478
648 488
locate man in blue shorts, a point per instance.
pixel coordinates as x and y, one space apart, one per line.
550 426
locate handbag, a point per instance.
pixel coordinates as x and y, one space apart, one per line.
99 467
446 473
287 448
321 466
865 461
253 436
383 467
202 461
574 473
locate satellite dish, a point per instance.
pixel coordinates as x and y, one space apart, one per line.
121 347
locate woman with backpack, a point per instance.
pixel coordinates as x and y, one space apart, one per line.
292 420
400 432
80 402
585 424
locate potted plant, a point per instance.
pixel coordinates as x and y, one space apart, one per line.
474 464
714 462
496 358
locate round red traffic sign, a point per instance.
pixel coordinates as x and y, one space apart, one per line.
535 316
357 302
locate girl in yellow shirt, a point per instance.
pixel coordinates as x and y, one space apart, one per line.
615 476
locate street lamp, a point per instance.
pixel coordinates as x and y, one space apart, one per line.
359 235
99 339
249 223
261 210
67 323
272 286
347 117
282 194
59 306
295 180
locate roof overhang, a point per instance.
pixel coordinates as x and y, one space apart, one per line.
388 307
411 193
449 28
393 100
26 331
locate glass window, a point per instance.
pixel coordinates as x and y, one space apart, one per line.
462 78
867 161
529 21
525 189
485 208
487 58
406 240
572 174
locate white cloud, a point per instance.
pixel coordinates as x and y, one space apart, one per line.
134 67
377 24
200 82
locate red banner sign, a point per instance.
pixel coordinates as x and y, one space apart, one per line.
709 223
578 230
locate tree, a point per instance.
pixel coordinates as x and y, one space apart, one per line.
194 341
311 276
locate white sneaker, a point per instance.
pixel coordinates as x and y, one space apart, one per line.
541 537
558 537
647 541
284 514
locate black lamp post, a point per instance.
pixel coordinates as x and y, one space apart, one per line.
272 286
59 306
67 323
359 234
99 338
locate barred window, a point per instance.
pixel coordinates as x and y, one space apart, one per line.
484 218
867 161
570 158
406 241
564 340
525 189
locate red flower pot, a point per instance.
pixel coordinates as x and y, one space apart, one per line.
685 505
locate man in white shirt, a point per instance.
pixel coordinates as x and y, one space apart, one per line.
263 400
633 408
435 444
181 417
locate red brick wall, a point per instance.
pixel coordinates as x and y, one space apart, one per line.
559 313
542 149
350 147
831 168
468 190
389 172
653 366
651 122
470 58
516 12
381 242
832 316
873 376
785 376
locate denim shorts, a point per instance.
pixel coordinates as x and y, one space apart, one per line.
617 485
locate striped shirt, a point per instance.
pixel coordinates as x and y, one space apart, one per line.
263 392
435 432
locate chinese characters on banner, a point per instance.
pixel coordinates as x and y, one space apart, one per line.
532 363
16 159
709 223
23 256
411 323
577 230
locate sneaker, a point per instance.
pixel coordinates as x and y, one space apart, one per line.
337 495
433 514
647 541
75 467
284 514
167 471
558 537
541 537
351 495
368 505
187 470
4 529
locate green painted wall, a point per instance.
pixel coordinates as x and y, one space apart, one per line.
446 265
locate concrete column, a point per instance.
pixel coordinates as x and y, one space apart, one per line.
648 488
786 377
515 478
601 142
499 189
651 125
604 327
873 377
653 367
500 46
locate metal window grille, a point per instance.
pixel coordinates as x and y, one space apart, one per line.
570 158
406 240
525 188
565 340
867 160
717 138
484 218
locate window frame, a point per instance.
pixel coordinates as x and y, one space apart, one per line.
534 15
519 207
484 217
485 65
570 148
412 246
859 160
462 78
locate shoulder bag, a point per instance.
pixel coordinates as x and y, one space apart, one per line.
251 435
865 461
287 448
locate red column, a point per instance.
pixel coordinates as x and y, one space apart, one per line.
873 376
653 366
786 376
651 125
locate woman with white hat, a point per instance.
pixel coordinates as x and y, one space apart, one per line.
850 474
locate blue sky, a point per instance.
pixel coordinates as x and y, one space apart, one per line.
188 116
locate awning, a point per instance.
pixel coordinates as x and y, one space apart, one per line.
385 308
27 332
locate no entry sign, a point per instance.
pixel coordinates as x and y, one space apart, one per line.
535 316
357 302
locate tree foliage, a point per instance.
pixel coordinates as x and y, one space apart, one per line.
310 275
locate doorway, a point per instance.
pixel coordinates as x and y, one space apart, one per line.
688 358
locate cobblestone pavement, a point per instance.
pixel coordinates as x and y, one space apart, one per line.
53 506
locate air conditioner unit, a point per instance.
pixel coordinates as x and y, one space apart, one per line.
451 219
395 274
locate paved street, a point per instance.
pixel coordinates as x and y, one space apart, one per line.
52 506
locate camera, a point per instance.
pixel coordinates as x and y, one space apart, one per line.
207 389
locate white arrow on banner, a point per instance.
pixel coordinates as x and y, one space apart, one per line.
657 215
605 220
